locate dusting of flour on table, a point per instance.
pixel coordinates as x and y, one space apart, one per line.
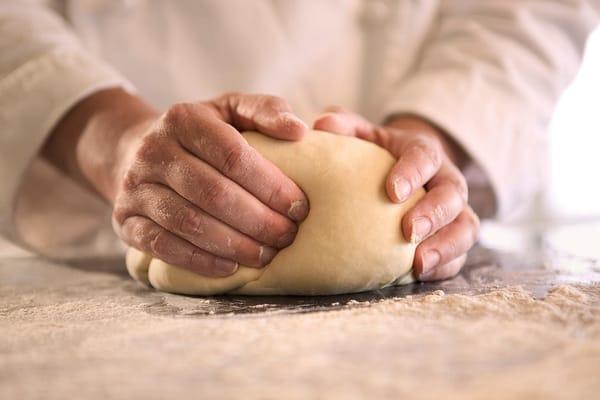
501 345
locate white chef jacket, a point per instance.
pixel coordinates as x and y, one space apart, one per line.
488 72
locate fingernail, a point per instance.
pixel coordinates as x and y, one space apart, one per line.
421 227
266 255
430 260
225 267
298 210
286 240
401 188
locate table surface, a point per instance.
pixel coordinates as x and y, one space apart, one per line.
58 316
486 270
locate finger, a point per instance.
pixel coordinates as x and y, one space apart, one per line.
342 122
445 199
445 271
182 218
448 243
222 147
228 202
419 159
147 236
270 115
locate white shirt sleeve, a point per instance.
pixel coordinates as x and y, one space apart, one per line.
490 74
44 70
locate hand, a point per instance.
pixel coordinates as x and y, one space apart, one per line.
186 186
441 222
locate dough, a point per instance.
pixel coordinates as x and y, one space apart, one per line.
351 240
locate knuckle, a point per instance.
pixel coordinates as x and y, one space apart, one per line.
187 221
128 204
175 115
441 214
234 159
214 194
120 213
267 229
150 149
280 227
176 218
430 152
131 180
420 175
277 193
275 102
180 219
137 232
159 243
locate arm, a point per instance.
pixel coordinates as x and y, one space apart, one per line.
479 96
44 71
84 144
489 75
185 186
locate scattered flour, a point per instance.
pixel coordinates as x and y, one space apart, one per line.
500 345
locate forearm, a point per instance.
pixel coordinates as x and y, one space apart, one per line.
462 83
85 142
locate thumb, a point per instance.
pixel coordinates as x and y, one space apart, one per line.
270 115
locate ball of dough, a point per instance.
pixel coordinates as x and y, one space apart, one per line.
351 240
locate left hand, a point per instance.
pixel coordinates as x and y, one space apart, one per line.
441 222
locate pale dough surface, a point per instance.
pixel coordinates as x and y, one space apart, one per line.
350 242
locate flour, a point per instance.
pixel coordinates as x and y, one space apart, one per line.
501 345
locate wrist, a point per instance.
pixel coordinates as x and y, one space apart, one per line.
414 123
85 143
118 119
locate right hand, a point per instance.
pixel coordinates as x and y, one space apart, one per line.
190 190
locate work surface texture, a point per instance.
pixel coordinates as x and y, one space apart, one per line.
495 332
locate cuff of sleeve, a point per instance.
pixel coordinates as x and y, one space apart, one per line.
487 125
32 100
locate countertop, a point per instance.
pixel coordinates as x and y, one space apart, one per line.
87 330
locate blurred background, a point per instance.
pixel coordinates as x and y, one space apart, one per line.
574 191
565 221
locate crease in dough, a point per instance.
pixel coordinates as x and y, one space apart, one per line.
351 240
